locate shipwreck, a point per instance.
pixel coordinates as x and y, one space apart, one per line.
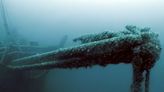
139 47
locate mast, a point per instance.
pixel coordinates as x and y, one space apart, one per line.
4 18
8 35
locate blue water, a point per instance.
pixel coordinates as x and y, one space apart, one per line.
47 21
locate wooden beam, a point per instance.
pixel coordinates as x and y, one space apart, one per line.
108 50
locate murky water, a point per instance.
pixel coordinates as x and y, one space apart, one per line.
45 23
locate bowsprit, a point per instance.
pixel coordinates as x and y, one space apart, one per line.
137 46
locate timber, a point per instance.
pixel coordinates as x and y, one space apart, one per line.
137 46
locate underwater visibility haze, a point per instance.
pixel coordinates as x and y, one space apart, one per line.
81 45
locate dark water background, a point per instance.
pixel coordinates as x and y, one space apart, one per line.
46 21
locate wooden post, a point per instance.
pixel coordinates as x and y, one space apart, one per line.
137 74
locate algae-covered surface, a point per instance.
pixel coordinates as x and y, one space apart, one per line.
81 46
